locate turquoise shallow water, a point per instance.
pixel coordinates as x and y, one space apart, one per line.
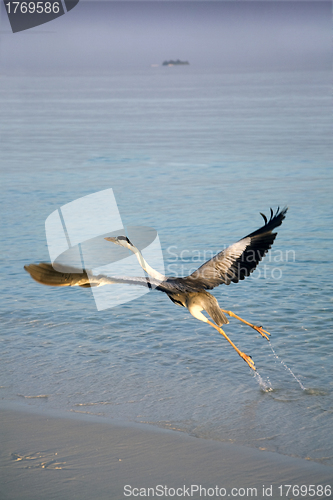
195 155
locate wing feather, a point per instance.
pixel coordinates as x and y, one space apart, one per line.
240 259
45 274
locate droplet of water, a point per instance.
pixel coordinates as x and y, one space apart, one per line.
287 367
265 385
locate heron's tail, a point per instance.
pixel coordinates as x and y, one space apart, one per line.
213 309
220 318
45 274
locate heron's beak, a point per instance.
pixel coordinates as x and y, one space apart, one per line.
114 240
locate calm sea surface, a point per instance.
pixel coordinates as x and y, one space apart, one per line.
195 155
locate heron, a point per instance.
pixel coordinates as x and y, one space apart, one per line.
231 265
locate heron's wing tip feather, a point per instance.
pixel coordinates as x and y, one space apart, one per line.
45 274
264 217
240 259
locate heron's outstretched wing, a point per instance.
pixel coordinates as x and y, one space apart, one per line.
45 274
238 260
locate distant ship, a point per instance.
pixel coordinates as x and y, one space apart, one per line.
174 63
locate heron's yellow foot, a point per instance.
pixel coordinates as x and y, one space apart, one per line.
262 332
248 360
259 329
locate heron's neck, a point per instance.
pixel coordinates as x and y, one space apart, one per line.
146 267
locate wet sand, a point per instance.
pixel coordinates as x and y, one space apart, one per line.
74 456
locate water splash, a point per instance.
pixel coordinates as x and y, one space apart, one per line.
265 385
287 367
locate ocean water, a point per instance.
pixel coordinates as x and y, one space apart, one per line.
195 155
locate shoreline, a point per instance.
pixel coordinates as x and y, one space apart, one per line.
62 456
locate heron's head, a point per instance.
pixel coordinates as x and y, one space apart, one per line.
123 241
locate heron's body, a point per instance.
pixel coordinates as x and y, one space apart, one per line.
231 265
196 302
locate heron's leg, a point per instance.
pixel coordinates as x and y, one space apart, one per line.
259 329
246 358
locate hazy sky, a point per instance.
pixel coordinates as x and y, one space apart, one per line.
102 36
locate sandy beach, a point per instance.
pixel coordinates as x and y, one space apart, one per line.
69 456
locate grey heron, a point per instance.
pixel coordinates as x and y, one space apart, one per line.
229 266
